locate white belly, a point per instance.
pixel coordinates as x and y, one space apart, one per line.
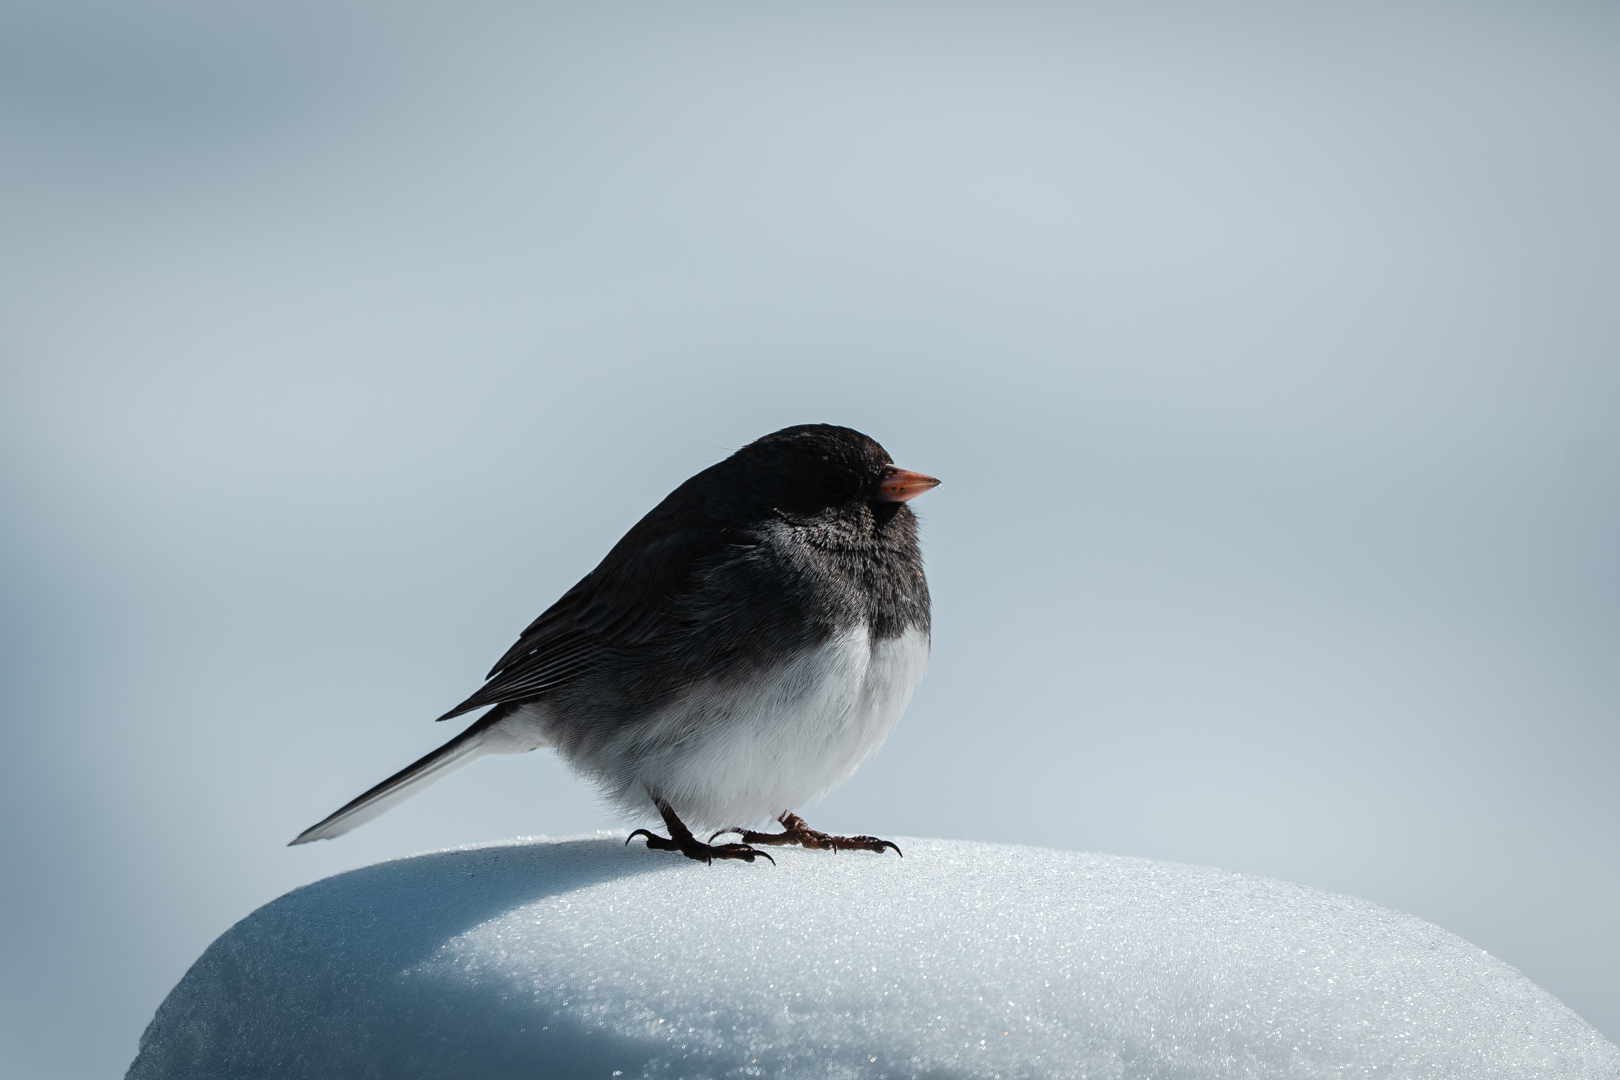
727 755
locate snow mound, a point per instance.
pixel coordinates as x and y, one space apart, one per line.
586 958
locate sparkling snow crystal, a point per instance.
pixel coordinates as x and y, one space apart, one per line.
585 958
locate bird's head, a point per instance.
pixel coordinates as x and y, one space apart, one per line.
812 470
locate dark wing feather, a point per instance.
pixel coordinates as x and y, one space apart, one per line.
627 601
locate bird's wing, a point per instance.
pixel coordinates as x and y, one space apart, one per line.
629 600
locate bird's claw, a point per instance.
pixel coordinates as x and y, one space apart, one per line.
698 851
795 831
739 851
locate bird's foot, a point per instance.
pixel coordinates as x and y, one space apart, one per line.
693 848
795 831
682 840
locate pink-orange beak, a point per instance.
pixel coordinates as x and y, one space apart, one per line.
900 485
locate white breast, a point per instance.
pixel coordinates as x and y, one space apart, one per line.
729 755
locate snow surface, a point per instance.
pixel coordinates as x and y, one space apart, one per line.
585 958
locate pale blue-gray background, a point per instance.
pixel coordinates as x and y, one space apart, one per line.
1270 355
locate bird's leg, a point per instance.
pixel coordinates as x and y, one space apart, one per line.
795 831
682 840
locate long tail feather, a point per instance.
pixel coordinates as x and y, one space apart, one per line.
464 749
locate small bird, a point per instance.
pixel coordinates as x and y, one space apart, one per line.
742 650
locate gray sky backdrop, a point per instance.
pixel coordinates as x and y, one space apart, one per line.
1270 355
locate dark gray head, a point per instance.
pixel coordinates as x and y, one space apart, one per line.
812 469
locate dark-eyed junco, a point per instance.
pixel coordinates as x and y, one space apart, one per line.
739 652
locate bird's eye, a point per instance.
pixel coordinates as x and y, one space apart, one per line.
835 484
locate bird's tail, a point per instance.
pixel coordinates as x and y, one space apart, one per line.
483 737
